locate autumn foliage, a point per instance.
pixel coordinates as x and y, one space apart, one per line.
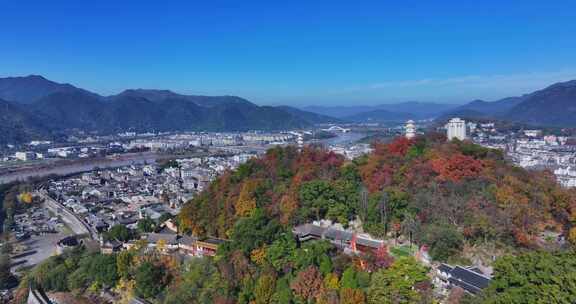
469 188
308 284
271 182
456 167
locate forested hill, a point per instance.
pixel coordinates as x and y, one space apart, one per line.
457 187
465 202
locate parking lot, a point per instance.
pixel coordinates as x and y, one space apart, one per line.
36 249
36 233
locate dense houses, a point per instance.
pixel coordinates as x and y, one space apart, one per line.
123 196
187 140
527 148
97 146
532 149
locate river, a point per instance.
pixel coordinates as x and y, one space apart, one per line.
343 139
76 167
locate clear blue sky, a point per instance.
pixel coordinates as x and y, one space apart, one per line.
295 52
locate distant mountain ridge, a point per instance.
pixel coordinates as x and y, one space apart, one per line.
311 116
17 125
553 106
34 106
384 112
27 90
380 116
164 95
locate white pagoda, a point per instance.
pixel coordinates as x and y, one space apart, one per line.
410 129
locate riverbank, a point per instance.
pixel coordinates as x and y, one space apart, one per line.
65 167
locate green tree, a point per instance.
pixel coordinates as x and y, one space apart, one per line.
119 232
201 282
97 269
535 277
363 279
325 265
444 240
56 279
164 217
339 212
397 283
279 253
349 279
146 225
149 280
283 293
311 254
124 263
316 197
252 232
102 268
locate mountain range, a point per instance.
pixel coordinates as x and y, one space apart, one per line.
383 112
33 106
553 106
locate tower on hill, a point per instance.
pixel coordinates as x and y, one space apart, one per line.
410 129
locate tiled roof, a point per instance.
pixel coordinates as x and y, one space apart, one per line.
213 241
309 229
155 237
187 240
338 235
468 279
334 235
368 243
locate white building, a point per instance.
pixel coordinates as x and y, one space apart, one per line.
566 176
24 156
472 126
456 128
533 133
410 129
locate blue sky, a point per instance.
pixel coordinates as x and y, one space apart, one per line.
295 52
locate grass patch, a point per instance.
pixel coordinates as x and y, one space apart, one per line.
402 251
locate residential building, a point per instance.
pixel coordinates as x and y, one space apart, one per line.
24 156
456 128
